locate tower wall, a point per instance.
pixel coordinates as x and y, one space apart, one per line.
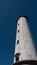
24 47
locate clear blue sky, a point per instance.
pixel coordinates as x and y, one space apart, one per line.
9 11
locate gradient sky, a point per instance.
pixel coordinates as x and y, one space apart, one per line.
9 11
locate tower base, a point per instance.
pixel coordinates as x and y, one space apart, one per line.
26 62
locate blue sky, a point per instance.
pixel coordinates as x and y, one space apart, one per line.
9 11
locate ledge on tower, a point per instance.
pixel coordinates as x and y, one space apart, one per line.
22 16
25 62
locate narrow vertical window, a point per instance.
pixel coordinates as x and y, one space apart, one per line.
17 41
18 24
18 30
17 57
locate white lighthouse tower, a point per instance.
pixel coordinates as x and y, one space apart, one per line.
24 47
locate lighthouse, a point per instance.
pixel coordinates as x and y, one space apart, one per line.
24 46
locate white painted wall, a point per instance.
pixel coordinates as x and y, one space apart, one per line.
25 46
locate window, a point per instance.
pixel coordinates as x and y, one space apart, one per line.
18 30
18 24
17 56
17 41
17 59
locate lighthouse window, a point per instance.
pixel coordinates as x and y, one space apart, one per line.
18 30
18 24
17 41
17 57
